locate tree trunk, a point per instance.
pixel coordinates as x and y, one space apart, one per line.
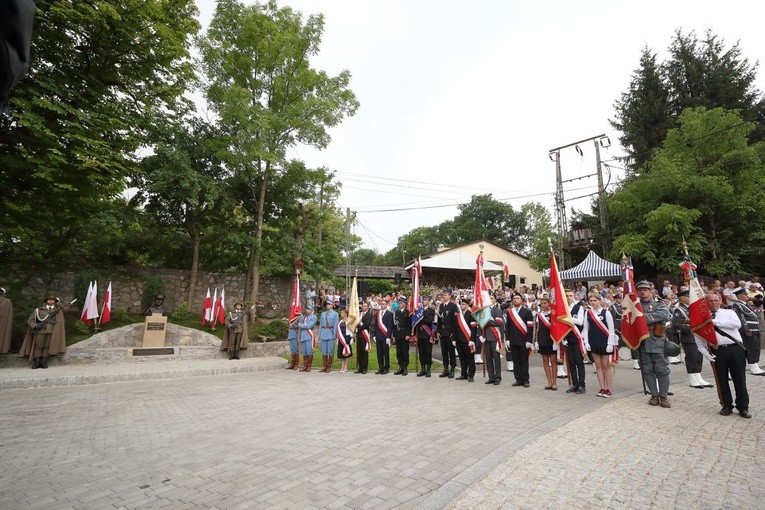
195 241
254 270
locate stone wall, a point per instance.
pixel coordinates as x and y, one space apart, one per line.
128 285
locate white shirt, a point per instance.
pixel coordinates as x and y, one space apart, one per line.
726 320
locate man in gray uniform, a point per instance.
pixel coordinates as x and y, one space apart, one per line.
652 360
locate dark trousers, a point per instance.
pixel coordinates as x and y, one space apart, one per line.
575 363
448 352
693 358
402 353
520 363
493 360
732 358
467 360
425 348
752 344
383 354
362 356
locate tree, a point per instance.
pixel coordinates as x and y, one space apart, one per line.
268 98
102 75
706 185
365 257
183 184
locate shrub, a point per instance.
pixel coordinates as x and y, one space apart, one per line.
154 285
276 328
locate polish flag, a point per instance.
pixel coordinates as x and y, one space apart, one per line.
106 311
212 312
207 309
561 322
220 307
700 315
90 308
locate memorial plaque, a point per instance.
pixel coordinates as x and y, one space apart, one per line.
154 330
153 351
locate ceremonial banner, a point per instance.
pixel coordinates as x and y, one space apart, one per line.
295 308
106 311
353 307
700 315
482 301
90 308
415 303
220 307
213 317
561 322
207 309
634 326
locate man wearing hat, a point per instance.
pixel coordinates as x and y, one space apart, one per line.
402 327
653 362
327 324
681 320
46 335
750 330
425 334
307 337
447 324
235 335
6 321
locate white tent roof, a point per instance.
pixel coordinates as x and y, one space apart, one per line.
592 267
454 259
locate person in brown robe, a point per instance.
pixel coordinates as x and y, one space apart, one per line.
6 321
48 340
235 336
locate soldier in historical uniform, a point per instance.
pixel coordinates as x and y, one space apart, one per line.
294 341
491 341
327 326
402 328
235 335
465 335
681 320
447 324
307 337
383 336
519 334
653 362
46 335
425 333
6 321
364 334
750 330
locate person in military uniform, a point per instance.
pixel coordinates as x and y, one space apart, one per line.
465 334
447 324
681 323
307 337
653 362
425 334
294 341
402 328
383 336
235 335
519 334
364 334
327 326
491 336
750 330
46 335
6 321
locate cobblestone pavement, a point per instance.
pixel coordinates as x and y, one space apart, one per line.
283 439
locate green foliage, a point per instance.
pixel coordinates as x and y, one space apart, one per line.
154 285
706 185
121 315
277 328
181 314
381 286
81 282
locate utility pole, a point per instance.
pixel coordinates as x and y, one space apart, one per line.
560 210
349 217
601 198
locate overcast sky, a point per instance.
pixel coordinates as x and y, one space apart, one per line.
464 98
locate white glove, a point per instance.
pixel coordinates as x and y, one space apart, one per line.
471 344
387 341
555 347
536 346
454 343
482 338
507 344
587 347
708 356
529 345
565 343
609 349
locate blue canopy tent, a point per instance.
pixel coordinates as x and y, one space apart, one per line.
592 268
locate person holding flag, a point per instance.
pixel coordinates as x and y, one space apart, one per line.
490 337
307 337
466 337
681 323
422 327
402 327
295 314
653 362
364 333
327 326
574 345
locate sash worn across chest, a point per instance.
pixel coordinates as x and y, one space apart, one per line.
380 324
598 320
516 318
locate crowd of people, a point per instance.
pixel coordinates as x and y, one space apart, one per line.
519 325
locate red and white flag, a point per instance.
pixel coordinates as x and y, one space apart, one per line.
90 308
295 308
700 315
207 309
213 315
220 307
506 271
561 322
106 310
634 326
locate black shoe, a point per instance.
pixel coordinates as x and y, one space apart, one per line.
379 371
526 385
405 372
451 373
44 362
461 378
400 371
490 381
36 363
445 373
427 371
580 390
363 372
517 383
357 371
726 411
470 379
572 389
496 383
745 414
